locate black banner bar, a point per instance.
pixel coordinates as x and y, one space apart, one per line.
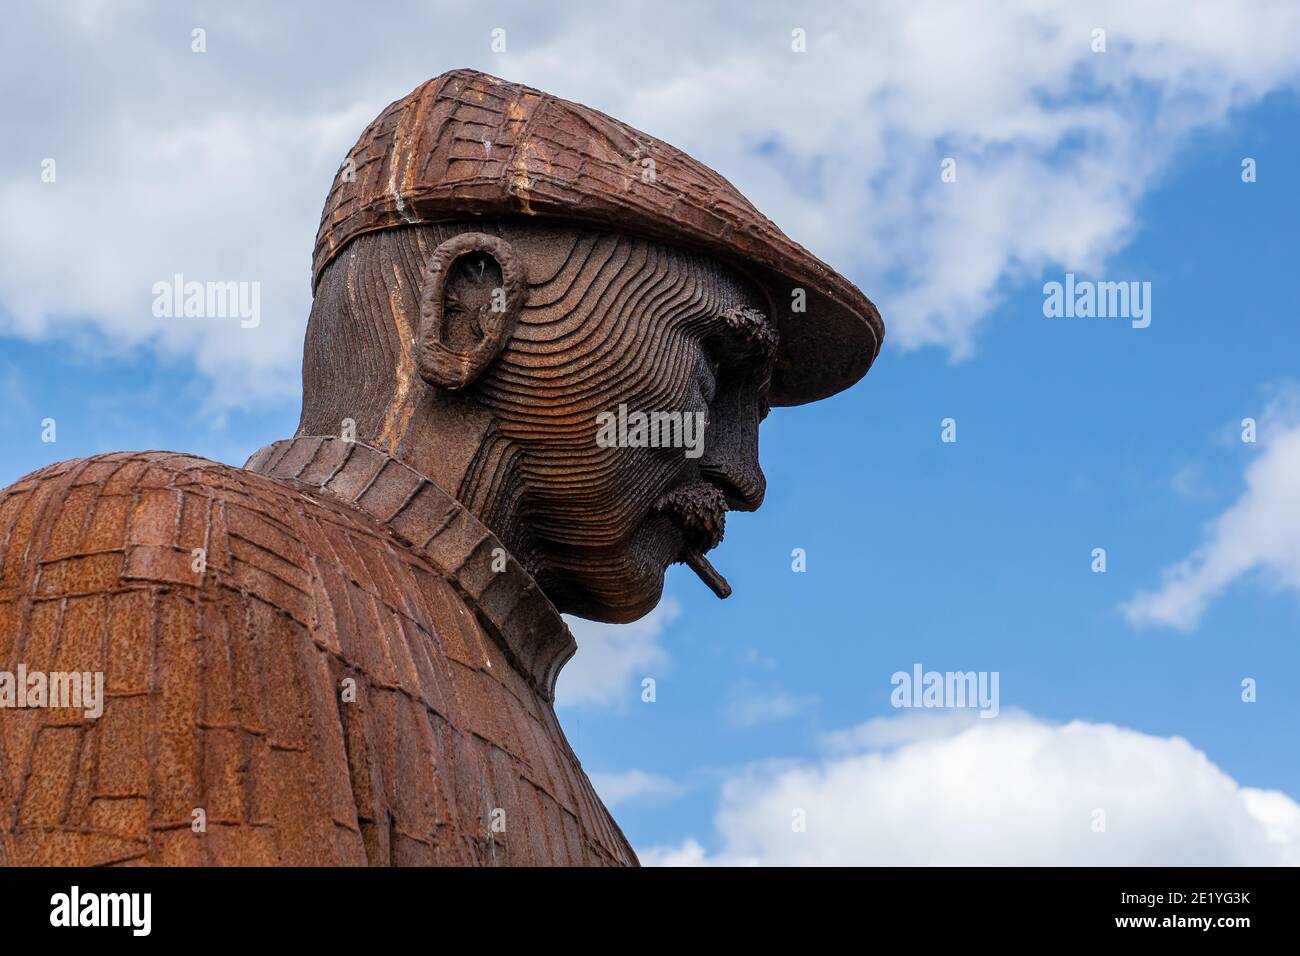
332 906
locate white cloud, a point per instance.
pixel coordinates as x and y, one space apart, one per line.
612 659
1260 532
689 853
616 788
1011 791
87 249
749 705
220 171
881 733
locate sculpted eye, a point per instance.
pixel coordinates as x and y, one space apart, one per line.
740 347
742 338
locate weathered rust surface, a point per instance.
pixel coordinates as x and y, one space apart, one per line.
468 144
346 652
223 688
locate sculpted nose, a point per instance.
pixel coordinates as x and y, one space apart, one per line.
744 489
730 458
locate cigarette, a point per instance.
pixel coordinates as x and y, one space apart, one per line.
708 573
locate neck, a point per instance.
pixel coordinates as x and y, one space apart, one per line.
451 440
440 528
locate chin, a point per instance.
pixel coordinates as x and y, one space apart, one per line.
596 609
617 587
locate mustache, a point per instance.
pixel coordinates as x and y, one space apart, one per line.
700 509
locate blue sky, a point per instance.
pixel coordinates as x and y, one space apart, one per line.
1072 434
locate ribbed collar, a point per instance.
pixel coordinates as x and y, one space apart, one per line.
431 522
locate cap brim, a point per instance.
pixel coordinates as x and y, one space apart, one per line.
825 348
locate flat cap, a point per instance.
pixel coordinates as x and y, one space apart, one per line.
466 144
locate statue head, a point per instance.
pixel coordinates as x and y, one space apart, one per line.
570 326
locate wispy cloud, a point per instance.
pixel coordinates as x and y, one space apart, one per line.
749 705
613 659
616 788
1260 532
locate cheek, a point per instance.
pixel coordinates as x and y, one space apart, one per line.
637 477
605 493
686 381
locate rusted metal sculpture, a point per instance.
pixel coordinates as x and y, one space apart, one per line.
345 653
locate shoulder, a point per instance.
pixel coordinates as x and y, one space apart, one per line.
71 522
99 524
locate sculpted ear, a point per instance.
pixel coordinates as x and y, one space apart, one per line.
473 292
